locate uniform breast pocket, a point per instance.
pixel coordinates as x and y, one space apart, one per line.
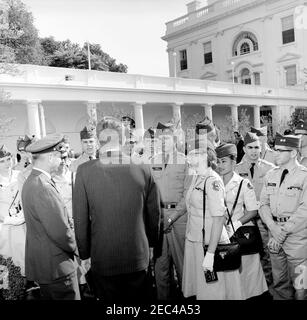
271 190
290 200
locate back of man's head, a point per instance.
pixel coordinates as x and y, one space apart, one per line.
110 131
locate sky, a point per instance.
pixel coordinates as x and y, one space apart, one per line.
130 31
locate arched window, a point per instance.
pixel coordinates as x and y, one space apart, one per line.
246 76
245 48
243 40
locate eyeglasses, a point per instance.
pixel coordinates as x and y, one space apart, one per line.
280 150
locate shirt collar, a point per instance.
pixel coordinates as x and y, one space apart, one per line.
43 171
234 181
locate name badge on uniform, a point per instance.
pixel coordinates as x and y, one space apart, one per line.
243 174
295 187
157 168
271 184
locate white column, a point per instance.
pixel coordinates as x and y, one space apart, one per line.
33 118
91 110
234 115
256 116
139 118
177 113
42 119
208 110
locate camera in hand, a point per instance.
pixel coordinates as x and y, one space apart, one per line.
211 276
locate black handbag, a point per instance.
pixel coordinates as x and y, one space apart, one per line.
227 257
248 237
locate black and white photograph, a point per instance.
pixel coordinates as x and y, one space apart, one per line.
153 153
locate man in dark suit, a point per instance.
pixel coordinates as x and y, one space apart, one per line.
116 210
50 241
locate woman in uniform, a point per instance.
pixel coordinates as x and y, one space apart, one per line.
196 263
253 281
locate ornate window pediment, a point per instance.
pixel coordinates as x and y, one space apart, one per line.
244 43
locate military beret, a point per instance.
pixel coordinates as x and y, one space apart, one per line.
87 133
4 152
225 150
49 143
287 141
23 142
205 124
301 127
260 132
250 137
166 126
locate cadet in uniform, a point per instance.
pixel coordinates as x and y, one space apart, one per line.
301 129
169 169
89 147
251 274
283 207
254 169
50 241
266 152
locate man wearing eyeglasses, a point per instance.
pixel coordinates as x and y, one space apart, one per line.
283 208
169 169
254 169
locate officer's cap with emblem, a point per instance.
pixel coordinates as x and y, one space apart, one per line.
87 133
225 150
301 127
250 138
290 141
205 124
4 152
24 141
260 132
49 143
166 126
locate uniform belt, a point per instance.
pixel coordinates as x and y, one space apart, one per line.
281 219
168 205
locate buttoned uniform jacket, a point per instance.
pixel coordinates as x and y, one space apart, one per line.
286 200
50 241
172 179
116 211
260 170
215 206
247 197
81 159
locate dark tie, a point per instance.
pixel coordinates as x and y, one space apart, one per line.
252 170
283 176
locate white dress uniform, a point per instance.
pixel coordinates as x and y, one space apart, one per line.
253 281
12 229
228 286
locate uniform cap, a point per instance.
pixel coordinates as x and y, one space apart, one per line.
287 141
24 141
260 132
301 127
225 150
49 143
87 133
205 124
4 152
250 137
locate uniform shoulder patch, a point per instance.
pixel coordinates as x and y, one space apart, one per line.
249 185
216 185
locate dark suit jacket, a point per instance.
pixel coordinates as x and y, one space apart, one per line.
50 242
116 210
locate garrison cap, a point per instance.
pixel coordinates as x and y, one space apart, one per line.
166 126
87 133
4 152
24 141
205 124
260 132
225 150
250 137
301 127
287 141
49 143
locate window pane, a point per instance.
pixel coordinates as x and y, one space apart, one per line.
208 57
287 23
244 48
183 60
290 75
207 47
257 78
288 36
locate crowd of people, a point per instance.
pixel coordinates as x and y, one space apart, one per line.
141 218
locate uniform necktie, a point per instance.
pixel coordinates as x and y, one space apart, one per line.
283 176
252 169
